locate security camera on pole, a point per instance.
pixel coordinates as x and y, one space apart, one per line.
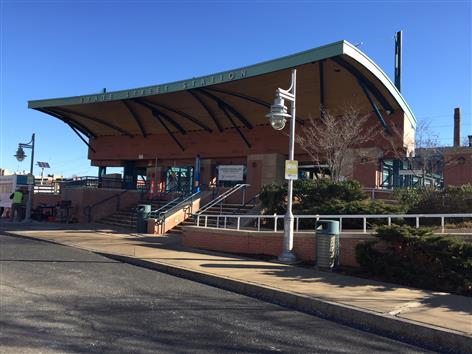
278 117
20 156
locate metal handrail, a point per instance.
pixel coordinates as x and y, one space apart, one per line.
158 211
97 182
180 204
48 188
317 217
88 209
163 194
222 197
253 199
163 209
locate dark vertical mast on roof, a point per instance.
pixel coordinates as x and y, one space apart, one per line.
398 60
398 83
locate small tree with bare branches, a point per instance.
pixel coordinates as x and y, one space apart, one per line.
327 140
429 157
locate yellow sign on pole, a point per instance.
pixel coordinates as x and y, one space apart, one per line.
291 169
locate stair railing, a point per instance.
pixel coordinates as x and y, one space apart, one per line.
252 200
223 197
184 203
175 189
88 210
155 213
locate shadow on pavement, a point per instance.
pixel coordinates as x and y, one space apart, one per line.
287 273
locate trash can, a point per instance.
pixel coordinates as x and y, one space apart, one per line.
327 243
143 212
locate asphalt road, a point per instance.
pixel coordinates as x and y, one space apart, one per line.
56 299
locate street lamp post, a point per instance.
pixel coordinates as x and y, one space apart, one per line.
278 117
20 156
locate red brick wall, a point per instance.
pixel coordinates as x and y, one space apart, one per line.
458 167
172 220
367 174
45 198
82 197
266 243
226 145
254 175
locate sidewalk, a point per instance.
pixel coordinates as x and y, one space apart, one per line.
436 319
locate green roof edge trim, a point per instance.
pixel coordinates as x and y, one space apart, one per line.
265 67
360 57
305 57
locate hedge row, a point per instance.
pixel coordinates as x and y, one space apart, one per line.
323 197
452 199
416 257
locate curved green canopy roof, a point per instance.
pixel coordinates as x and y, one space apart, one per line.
208 102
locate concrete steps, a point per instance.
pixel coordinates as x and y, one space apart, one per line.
127 218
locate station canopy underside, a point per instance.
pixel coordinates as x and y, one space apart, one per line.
335 76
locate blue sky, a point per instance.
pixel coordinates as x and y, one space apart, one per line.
65 48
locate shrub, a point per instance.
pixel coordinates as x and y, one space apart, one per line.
273 198
452 199
415 257
409 197
314 192
324 197
309 194
356 207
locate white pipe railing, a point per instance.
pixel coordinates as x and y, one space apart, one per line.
224 196
202 220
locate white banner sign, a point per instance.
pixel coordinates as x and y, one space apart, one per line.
7 187
230 172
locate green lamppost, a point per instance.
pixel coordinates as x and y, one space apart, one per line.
20 156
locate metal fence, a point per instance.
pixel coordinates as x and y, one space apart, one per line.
48 188
102 182
367 223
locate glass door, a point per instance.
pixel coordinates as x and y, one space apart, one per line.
179 179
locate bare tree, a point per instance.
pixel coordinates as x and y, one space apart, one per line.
465 141
427 152
327 140
429 158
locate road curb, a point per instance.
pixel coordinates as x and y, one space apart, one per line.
412 332
416 333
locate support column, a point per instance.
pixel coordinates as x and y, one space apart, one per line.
129 174
263 169
196 174
206 173
396 173
102 170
